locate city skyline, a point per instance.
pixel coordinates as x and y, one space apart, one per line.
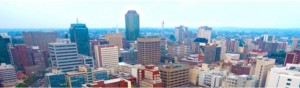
191 13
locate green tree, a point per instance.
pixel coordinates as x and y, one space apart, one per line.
21 85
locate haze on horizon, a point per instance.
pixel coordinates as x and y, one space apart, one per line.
111 13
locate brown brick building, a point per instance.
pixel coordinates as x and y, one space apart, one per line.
148 51
174 75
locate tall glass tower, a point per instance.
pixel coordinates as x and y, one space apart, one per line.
132 25
79 34
4 55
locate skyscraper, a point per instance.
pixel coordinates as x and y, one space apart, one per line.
180 33
211 53
79 34
132 25
4 56
205 32
148 50
41 39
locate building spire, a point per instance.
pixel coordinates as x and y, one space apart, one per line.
77 21
162 27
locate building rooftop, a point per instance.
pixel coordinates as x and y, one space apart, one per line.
6 66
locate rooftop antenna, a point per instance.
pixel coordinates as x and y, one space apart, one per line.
77 20
162 27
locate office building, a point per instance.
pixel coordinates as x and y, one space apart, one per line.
292 57
8 75
294 43
211 53
64 55
232 45
75 79
205 32
7 39
242 69
107 56
96 42
22 55
270 47
284 77
79 34
263 65
212 78
56 79
149 77
268 38
180 33
41 39
4 56
174 75
148 50
244 81
115 39
129 56
132 25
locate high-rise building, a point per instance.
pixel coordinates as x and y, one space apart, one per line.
270 47
41 39
107 56
174 75
96 42
129 56
132 25
234 81
211 53
268 38
292 57
222 43
22 55
4 56
148 50
205 32
79 34
180 33
8 75
263 65
115 39
64 55
284 77
232 45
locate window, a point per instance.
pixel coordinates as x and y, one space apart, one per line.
289 79
288 84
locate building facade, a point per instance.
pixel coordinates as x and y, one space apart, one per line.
79 34
8 75
107 56
115 39
205 32
132 25
148 51
41 39
174 75
263 65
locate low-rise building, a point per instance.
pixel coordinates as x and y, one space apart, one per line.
8 75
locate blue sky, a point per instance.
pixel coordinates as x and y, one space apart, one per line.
110 13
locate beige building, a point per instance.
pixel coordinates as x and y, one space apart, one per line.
115 39
263 65
149 51
239 81
174 75
205 32
107 56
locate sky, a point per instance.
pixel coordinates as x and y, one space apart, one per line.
111 13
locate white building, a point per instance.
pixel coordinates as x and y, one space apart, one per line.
205 32
107 56
284 77
234 81
211 78
8 75
64 55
